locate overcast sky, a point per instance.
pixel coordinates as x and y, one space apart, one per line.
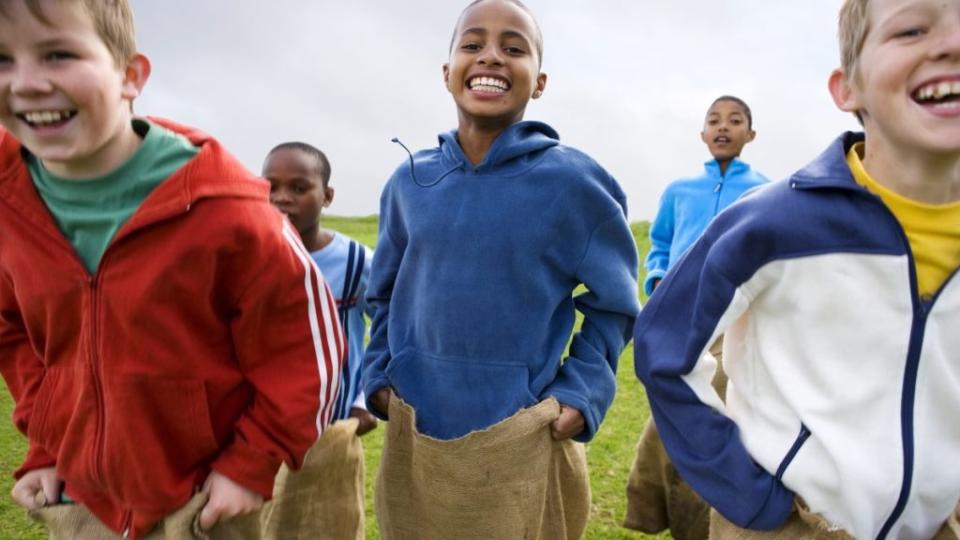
629 81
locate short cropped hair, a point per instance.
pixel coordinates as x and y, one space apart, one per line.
323 164
536 26
853 27
741 103
113 20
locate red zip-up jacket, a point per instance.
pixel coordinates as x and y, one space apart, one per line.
206 339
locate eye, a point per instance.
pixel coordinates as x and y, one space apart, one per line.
471 46
910 33
58 56
5 60
514 50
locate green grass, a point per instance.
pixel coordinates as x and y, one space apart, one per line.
609 455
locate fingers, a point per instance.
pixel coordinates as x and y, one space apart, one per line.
209 515
366 421
37 488
381 401
51 488
569 424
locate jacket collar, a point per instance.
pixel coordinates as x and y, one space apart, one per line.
830 169
737 167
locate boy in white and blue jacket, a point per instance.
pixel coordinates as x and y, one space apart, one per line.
836 291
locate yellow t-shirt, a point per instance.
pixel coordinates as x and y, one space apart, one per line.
933 230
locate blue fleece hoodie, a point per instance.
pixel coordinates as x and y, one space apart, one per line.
687 206
473 276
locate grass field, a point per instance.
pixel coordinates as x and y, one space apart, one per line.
609 454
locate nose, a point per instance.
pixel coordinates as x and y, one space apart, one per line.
490 56
280 197
948 46
29 80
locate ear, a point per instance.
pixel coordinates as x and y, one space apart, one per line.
446 76
135 76
845 94
328 196
540 86
751 135
703 137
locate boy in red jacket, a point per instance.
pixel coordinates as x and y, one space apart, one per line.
162 328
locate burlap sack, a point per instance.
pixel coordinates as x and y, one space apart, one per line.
657 496
509 481
950 529
75 522
324 499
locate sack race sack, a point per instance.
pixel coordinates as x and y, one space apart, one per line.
509 481
324 499
74 521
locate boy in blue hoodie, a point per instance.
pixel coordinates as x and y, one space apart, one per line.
657 498
482 243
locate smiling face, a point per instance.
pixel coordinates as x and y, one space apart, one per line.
906 81
62 94
494 65
726 130
297 188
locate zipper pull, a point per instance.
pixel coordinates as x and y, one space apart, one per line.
716 188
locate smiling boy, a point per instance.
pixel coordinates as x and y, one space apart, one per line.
139 266
838 296
482 243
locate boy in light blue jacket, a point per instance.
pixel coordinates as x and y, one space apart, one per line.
657 498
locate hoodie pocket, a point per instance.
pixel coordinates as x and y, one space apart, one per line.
53 407
157 435
453 397
792 453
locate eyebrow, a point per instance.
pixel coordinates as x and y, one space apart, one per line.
505 33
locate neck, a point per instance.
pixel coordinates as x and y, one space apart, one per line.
925 178
114 153
724 165
476 137
316 238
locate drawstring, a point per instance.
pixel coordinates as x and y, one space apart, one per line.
413 173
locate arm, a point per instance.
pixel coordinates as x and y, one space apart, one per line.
694 305
587 379
295 372
23 372
661 238
383 274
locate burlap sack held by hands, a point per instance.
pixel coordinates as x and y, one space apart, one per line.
509 481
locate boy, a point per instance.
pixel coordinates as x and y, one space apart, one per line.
141 267
657 498
327 495
837 297
482 242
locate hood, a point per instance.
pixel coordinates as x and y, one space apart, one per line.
830 169
514 148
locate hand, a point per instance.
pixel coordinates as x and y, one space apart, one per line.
367 420
568 425
227 499
381 401
33 483
656 282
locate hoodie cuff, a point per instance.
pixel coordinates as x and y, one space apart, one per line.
652 276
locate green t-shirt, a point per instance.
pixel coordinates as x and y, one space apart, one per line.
90 212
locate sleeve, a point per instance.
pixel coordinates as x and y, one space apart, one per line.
383 274
23 372
661 238
290 349
694 304
608 269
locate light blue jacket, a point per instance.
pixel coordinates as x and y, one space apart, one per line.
686 208
473 279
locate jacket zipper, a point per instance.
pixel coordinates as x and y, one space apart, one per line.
718 189
794 449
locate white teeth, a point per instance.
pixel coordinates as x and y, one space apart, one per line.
488 84
938 91
46 117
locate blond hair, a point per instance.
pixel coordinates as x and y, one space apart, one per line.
853 27
113 20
